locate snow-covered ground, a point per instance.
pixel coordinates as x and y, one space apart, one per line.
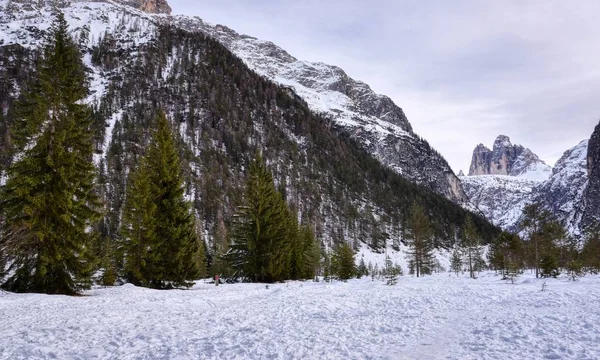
436 317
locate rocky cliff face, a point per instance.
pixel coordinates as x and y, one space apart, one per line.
591 215
507 159
149 6
524 179
563 192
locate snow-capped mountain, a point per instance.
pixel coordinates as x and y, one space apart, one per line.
337 148
374 120
508 159
503 180
591 196
563 192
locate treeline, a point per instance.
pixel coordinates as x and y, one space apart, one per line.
546 248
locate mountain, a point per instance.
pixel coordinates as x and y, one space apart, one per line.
351 168
508 159
564 191
591 212
503 180
378 124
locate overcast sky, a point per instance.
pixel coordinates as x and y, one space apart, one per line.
463 71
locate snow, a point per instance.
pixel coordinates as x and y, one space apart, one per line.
501 198
436 317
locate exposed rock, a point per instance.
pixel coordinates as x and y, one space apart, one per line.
149 6
501 198
507 159
562 193
591 214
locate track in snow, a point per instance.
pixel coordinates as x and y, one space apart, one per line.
437 317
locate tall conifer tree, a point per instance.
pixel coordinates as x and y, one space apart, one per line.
162 247
472 247
48 198
420 240
260 235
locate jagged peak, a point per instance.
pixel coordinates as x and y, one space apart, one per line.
149 6
502 141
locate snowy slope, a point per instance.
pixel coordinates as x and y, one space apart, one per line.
436 317
501 198
563 192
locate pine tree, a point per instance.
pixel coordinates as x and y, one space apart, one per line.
456 262
392 271
420 241
48 199
472 247
162 247
311 252
362 268
260 244
343 263
590 254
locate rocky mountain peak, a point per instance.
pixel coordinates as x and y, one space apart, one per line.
149 6
508 159
502 142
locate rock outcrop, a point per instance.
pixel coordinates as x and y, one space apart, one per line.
591 215
507 159
149 6
510 177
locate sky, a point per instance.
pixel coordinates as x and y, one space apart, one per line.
462 71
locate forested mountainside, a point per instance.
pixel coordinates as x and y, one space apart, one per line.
224 112
373 120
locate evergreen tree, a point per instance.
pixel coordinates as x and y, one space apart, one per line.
311 253
391 271
456 262
260 245
362 268
590 254
162 247
472 247
343 263
420 241
48 199
543 231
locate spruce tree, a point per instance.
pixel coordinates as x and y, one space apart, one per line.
311 252
160 241
456 262
419 237
343 263
391 271
590 254
472 247
48 199
261 226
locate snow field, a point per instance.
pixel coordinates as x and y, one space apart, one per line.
436 317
